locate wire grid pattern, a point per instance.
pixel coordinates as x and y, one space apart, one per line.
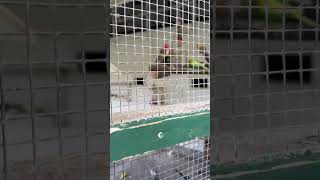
188 160
139 32
53 110
266 79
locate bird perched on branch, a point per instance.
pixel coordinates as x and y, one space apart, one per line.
276 11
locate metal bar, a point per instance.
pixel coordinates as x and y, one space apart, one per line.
85 96
53 4
30 74
108 110
61 169
3 122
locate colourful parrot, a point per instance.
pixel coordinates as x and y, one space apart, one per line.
196 64
276 12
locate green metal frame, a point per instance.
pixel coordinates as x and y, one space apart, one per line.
137 137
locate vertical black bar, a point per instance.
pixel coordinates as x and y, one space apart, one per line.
58 93
317 42
249 51
266 53
3 121
29 62
317 21
107 36
85 86
301 49
212 83
283 43
233 78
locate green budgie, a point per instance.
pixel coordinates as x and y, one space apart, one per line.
196 64
276 14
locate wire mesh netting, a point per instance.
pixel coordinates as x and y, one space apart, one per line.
267 78
160 66
159 57
188 160
53 104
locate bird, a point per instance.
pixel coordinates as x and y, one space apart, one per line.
276 12
203 50
160 70
166 46
165 54
124 175
196 64
201 46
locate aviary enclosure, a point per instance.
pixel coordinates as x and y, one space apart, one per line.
264 89
54 81
160 89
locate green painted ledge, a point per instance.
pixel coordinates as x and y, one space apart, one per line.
288 167
137 137
308 172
